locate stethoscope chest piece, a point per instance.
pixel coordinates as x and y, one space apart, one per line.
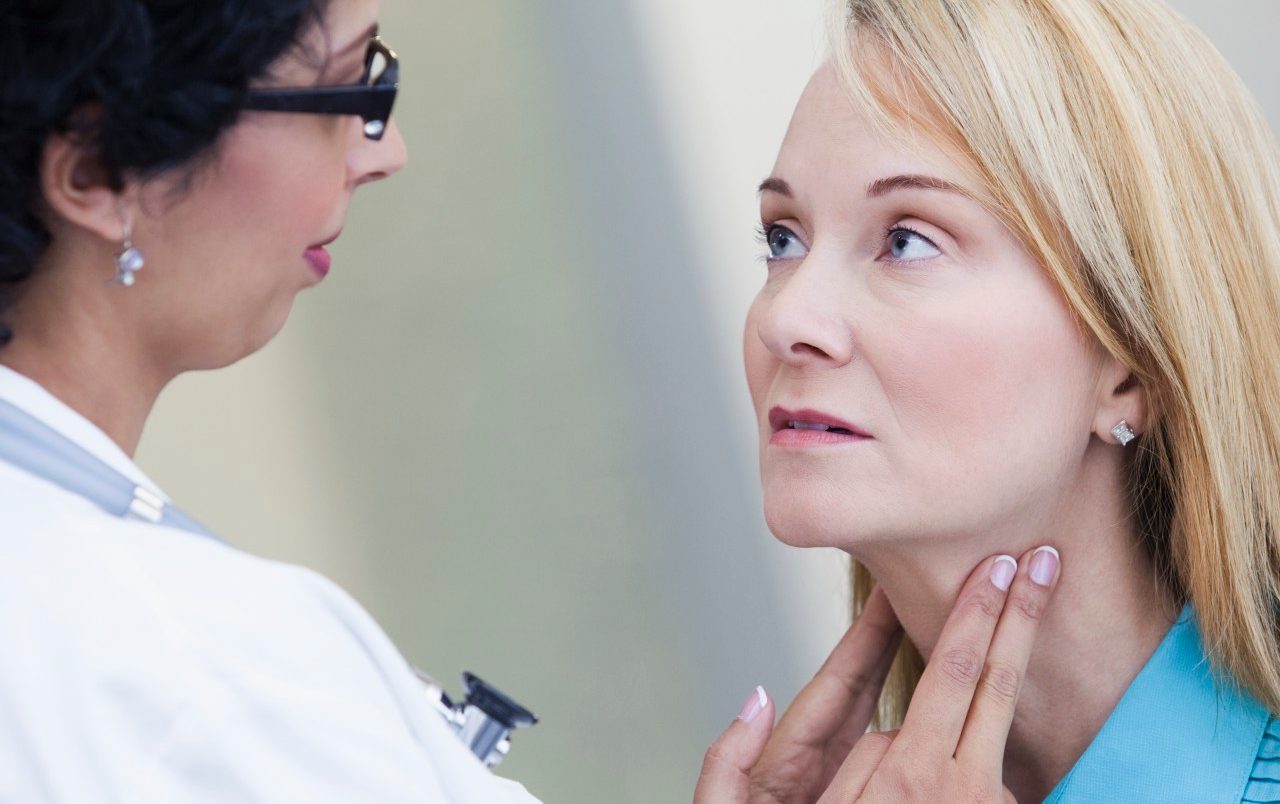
483 720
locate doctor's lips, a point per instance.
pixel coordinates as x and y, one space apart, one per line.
319 258
810 428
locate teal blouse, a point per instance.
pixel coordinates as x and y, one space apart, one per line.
1176 736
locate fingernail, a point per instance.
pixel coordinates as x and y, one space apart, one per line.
1044 565
754 705
1002 572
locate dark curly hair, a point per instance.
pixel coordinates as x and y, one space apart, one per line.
150 85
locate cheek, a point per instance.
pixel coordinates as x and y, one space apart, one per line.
283 188
283 204
759 363
234 244
990 400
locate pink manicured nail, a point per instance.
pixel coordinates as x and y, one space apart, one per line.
754 705
1044 565
1002 572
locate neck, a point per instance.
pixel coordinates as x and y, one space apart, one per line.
1108 614
75 344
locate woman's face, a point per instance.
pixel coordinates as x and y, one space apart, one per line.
227 255
899 310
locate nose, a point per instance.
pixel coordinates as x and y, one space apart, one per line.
375 160
802 322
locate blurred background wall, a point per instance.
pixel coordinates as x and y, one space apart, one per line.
512 421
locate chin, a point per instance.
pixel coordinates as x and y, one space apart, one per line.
243 341
848 515
255 341
800 522
813 509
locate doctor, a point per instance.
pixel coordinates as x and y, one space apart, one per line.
170 173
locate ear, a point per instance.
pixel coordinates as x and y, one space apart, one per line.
1120 396
78 192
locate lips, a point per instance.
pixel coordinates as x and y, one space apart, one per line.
319 258
815 421
810 426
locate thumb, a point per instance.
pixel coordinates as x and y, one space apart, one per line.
726 768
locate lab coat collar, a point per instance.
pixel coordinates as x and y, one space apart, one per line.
1175 735
32 398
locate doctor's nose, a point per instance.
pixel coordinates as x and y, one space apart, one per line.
375 160
803 324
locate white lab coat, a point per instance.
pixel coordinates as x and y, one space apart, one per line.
144 664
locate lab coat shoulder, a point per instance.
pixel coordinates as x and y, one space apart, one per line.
157 666
77 684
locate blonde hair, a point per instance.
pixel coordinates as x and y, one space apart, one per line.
1116 142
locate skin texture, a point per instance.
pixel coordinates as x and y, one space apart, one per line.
988 411
224 245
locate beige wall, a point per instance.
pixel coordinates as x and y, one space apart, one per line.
511 421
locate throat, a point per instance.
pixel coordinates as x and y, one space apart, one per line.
1108 615
107 395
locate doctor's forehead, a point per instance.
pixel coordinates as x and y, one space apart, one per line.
332 51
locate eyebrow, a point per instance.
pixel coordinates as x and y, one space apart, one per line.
880 187
775 185
337 60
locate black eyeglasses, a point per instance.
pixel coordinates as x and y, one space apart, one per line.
371 99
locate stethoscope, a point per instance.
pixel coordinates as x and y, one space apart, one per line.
483 720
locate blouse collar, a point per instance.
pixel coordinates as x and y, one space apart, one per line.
1175 735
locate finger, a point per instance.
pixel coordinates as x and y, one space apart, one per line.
987 730
726 767
858 717
936 716
831 713
851 677
850 782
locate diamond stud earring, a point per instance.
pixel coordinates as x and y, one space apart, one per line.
129 261
1123 433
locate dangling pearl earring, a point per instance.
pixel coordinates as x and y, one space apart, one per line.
1123 433
130 261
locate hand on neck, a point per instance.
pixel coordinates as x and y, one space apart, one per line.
1108 614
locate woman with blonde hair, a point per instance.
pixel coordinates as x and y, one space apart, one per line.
1023 300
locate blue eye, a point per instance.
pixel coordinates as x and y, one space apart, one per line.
908 245
783 243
